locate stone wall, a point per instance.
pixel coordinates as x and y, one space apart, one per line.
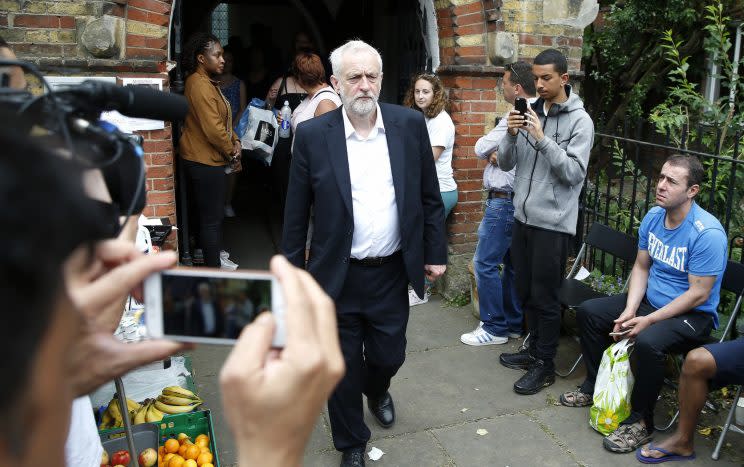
122 38
477 38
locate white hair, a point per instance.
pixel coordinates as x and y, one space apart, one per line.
352 46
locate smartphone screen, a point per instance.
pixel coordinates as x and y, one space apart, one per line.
198 305
520 105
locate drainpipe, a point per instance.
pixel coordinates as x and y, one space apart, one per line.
735 77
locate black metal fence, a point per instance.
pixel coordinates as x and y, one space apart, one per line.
621 183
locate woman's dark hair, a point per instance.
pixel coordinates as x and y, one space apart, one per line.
308 69
197 44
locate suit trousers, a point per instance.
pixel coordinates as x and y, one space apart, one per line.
372 313
539 259
677 335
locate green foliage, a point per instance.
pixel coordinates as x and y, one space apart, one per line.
607 284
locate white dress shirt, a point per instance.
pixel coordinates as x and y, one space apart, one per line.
208 315
376 225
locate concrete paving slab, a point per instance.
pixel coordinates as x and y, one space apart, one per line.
435 326
512 440
570 426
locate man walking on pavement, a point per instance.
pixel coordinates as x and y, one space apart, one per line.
549 146
500 310
368 169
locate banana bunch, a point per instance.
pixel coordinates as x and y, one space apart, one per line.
112 416
176 400
147 413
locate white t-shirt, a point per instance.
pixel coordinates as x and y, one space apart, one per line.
83 447
442 133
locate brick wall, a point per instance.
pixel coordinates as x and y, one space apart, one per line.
58 36
472 35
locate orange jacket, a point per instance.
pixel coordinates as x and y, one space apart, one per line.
207 135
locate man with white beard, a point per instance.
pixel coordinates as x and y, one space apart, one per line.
368 170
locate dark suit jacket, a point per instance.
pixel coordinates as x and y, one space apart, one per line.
319 176
196 320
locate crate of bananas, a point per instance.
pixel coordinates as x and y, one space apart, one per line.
172 400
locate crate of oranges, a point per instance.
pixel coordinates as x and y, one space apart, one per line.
187 440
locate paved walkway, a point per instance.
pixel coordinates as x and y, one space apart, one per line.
446 392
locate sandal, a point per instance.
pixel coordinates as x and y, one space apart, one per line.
627 438
576 398
667 457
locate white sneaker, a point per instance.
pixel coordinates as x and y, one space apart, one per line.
413 298
224 254
227 264
229 211
481 337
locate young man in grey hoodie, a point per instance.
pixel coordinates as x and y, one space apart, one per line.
550 147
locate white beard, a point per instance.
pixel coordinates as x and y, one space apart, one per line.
360 107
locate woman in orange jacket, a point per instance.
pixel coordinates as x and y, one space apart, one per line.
208 144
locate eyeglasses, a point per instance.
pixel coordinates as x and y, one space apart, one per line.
510 68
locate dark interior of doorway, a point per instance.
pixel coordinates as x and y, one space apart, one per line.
392 26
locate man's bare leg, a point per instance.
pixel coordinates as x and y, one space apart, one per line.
699 367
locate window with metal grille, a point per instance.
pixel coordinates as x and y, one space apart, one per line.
220 23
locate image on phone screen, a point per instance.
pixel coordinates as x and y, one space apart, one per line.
211 307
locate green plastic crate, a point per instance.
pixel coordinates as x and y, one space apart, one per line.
193 424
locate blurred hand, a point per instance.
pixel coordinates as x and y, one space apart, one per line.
272 398
434 271
98 282
493 158
624 317
237 149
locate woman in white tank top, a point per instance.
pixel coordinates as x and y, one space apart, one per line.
321 98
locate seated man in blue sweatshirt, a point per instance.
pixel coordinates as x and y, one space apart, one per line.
671 302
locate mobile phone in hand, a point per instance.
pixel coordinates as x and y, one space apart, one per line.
520 105
209 305
621 333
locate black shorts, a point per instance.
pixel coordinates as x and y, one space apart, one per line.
729 357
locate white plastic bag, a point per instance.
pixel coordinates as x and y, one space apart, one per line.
262 133
612 389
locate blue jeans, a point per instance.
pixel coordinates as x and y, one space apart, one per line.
500 310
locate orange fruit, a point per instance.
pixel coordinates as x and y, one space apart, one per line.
190 463
208 464
204 458
204 449
182 450
167 457
202 436
192 451
171 445
161 451
176 461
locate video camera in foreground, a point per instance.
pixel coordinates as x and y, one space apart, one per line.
69 122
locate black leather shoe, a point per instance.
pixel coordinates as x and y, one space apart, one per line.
353 458
540 375
383 410
521 360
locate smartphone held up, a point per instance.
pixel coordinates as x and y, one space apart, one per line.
210 306
520 105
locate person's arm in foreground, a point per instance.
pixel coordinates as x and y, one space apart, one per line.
274 397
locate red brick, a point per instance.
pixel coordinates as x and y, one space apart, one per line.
135 14
485 83
466 95
459 106
36 21
3 20
470 60
160 197
164 210
464 163
158 19
483 106
44 50
66 22
134 40
447 52
479 51
529 39
115 10
466 140
469 19
157 146
576 41
561 41
162 184
162 159
462 82
156 43
446 30
547 40
469 185
461 228
489 95
158 134
161 171
137 52
467 118
151 5
470 29
475 7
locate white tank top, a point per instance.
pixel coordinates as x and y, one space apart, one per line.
308 106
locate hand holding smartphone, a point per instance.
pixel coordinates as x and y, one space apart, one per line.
520 105
210 305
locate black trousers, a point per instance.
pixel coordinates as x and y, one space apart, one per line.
677 335
208 185
539 260
372 313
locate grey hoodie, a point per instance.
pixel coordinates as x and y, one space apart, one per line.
550 173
